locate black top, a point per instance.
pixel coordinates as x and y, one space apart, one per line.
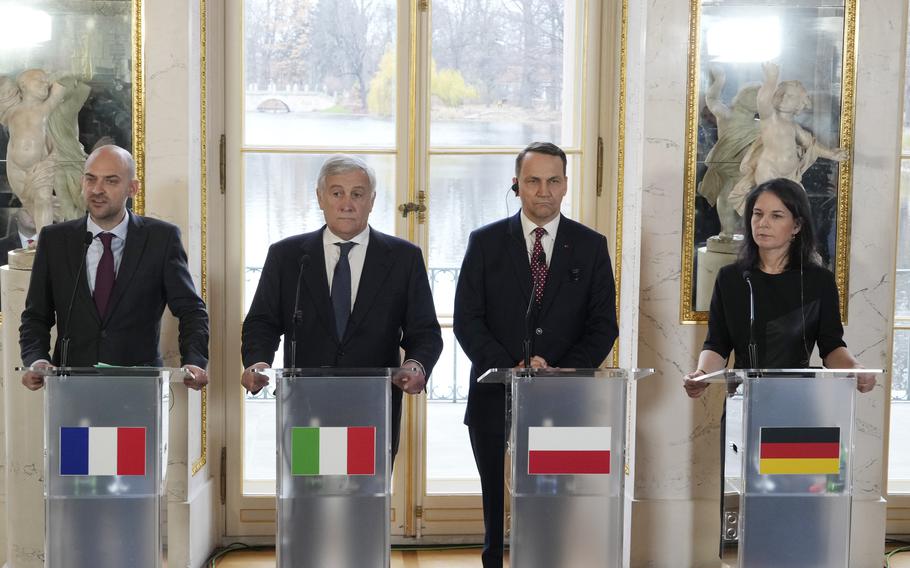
778 317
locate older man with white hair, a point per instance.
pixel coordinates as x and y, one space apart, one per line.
363 295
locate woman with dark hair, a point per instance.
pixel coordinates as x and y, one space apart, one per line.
795 298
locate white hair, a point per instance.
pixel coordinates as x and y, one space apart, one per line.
342 164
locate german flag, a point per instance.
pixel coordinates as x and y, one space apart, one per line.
802 451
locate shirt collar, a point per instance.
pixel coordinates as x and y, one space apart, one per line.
528 226
119 231
330 238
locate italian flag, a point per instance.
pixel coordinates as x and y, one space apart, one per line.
333 451
568 450
102 451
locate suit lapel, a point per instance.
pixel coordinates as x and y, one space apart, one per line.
314 279
518 251
136 237
559 263
76 254
376 268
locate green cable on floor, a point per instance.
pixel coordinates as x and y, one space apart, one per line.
892 553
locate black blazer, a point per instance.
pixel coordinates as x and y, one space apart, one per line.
153 272
394 309
574 327
8 244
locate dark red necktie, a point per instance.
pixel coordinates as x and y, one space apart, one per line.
104 276
538 265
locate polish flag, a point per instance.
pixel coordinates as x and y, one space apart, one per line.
568 450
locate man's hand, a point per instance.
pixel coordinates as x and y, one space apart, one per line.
537 362
410 378
865 382
694 386
31 379
252 380
197 377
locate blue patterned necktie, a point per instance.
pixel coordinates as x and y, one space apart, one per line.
341 289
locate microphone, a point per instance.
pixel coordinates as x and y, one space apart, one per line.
529 320
65 341
303 261
753 346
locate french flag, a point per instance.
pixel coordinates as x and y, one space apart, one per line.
102 451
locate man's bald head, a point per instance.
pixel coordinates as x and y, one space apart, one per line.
118 153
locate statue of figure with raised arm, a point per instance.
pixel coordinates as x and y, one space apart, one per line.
737 129
43 133
784 149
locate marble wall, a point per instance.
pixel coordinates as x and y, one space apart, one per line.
675 510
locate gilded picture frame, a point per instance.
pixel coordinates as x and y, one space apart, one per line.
807 42
89 53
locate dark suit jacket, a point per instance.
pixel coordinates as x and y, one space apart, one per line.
394 309
575 324
153 272
8 244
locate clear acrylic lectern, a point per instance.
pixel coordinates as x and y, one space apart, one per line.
334 491
567 442
105 440
793 476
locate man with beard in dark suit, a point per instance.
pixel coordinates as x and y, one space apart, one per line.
118 270
565 266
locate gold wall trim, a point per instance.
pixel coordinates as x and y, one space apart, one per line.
687 312
845 181
413 22
139 105
203 188
620 163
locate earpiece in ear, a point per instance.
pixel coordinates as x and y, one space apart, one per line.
515 188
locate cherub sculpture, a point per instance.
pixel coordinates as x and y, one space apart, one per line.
784 149
44 156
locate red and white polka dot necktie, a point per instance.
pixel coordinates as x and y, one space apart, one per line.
538 265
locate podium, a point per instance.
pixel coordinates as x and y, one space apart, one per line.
567 442
794 480
334 468
105 440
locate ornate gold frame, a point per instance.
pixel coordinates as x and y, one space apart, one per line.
204 191
139 105
687 312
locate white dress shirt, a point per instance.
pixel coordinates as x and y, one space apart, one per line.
546 241
93 254
356 256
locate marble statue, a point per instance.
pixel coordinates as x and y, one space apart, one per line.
737 129
784 149
44 156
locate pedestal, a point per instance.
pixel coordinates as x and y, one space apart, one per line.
24 425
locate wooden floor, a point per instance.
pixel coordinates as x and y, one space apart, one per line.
469 558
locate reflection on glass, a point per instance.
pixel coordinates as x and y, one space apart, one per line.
805 40
319 73
902 289
899 460
503 72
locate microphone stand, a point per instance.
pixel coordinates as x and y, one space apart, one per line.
753 345
298 315
65 341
